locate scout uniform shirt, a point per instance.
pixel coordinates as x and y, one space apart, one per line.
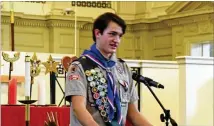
77 84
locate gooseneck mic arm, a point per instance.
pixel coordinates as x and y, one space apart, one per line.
164 118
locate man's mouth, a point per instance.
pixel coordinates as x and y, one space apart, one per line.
114 46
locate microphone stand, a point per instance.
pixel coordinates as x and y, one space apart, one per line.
167 116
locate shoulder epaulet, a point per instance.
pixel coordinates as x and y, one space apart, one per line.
78 59
121 60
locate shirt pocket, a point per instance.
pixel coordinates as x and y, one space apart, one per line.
124 90
124 97
123 85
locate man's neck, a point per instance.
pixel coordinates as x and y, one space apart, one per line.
107 56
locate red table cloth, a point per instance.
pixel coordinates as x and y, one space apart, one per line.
15 115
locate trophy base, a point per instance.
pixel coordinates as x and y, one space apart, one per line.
27 101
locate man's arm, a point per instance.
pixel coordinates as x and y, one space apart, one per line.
81 112
135 117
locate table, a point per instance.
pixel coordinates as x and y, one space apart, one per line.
15 115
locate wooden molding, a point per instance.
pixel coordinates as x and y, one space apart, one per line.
174 17
5 78
176 7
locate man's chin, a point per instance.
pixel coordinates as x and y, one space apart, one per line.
113 51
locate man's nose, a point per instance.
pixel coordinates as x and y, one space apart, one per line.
117 38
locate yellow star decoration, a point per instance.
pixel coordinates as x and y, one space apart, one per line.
51 66
34 57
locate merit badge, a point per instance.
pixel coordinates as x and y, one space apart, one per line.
100 75
102 93
87 73
95 76
98 102
105 119
93 71
96 95
103 113
105 85
92 84
97 69
94 90
73 77
104 100
106 106
101 107
90 78
100 87
103 80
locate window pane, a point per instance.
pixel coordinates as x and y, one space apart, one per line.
212 49
206 50
196 50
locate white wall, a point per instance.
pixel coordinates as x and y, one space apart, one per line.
166 73
188 91
196 92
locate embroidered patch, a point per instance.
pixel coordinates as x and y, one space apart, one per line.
74 77
119 69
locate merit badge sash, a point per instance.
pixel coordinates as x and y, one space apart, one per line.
98 87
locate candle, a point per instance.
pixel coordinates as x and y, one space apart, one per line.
27 76
41 92
11 12
12 91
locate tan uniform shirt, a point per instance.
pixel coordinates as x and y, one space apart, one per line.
76 84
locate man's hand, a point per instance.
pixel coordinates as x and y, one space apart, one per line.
80 111
135 117
51 121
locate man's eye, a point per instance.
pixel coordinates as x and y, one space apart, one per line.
113 34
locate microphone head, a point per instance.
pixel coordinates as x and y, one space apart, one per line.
135 76
160 86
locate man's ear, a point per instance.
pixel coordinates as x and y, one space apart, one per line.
97 33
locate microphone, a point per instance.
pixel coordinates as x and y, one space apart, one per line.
150 82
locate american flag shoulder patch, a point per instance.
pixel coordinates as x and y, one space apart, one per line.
73 77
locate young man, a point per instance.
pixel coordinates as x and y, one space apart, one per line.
99 86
